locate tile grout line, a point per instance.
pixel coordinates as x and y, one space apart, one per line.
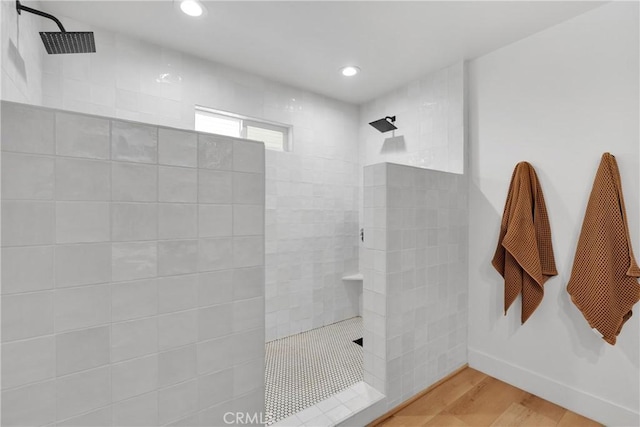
328 343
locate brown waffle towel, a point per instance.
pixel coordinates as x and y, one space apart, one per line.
524 256
604 284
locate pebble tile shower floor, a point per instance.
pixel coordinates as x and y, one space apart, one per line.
306 368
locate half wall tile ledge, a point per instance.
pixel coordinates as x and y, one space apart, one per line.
337 409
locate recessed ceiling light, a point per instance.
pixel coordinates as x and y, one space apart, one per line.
192 7
350 71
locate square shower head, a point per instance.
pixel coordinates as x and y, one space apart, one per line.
68 42
384 125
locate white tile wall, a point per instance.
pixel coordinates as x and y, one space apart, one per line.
115 300
311 241
430 115
312 192
22 55
415 287
430 119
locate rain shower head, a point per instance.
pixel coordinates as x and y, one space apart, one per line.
385 125
62 41
68 42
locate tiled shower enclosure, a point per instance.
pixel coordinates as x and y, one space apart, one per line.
132 272
415 270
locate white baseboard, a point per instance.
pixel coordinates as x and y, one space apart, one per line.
578 401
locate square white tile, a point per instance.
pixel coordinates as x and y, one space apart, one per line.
82 264
131 300
134 182
138 411
177 148
27 177
81 350
177 365
177 221
134 338
27 268
26 129
215 186
34 404
248 157
134 221
215 220
215 321
215 254
82 179
134 142
215 287
215 152
27 315
177 184
248 220
27 223
177 329
130 261
82 392
134 377
82 307
82 136
177 293
81 222
177 257
28 361
248 188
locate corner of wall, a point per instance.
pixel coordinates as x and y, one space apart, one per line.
553 390
531 101
22 55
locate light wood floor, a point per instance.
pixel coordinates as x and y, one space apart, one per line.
471 398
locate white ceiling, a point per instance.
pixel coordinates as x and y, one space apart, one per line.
306 43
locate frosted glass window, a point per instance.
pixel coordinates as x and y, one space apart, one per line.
275 136
217 123
273 139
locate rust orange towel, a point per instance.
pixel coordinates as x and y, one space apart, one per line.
604 284
524 256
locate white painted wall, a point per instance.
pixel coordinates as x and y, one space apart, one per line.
557 99
22 54
312 192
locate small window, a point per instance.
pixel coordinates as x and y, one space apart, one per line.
275 136
216 123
